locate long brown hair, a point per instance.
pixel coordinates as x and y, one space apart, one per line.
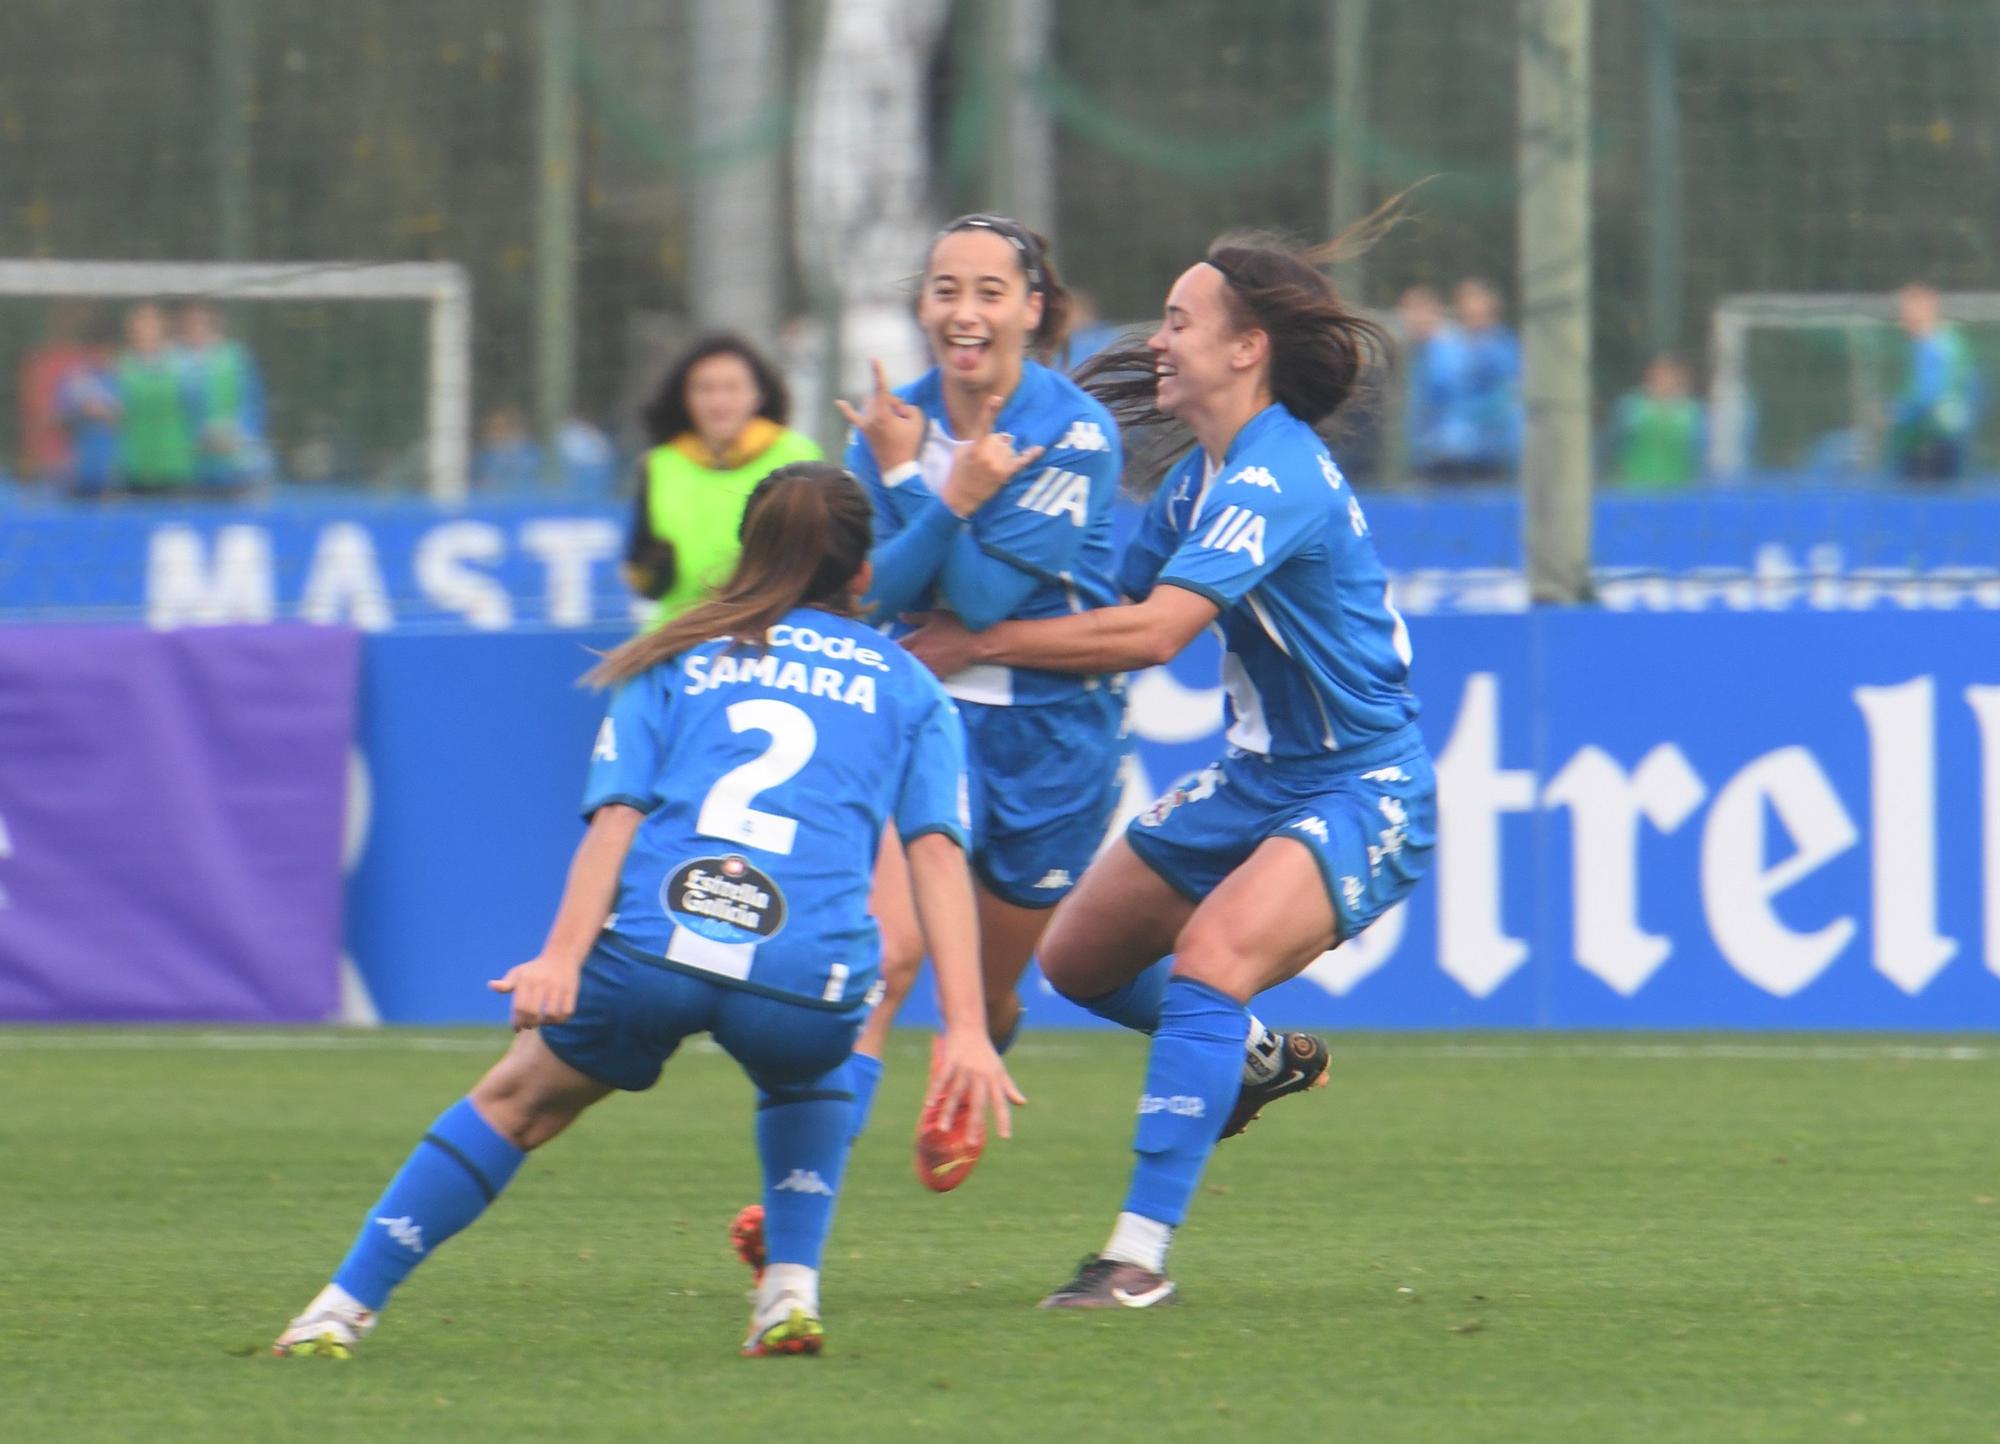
1320 350
806 533
1031 253
666 415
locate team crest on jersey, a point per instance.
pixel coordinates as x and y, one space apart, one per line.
1194 787
724 898
1084 436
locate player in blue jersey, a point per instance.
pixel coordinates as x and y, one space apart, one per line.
993 479
753 753
1321 813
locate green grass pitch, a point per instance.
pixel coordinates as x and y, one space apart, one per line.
1486 1238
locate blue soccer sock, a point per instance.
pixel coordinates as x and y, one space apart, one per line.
802 1138
458 1168
863 1073
1137 1004
1192 1078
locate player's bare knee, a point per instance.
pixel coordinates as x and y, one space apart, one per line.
1207 953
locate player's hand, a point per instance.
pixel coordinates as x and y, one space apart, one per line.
941 642
987 462
972 1079
893 429
544 991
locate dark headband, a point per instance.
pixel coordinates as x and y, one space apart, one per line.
1229 273
1015 234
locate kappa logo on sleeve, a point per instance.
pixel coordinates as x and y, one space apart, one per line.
1084 436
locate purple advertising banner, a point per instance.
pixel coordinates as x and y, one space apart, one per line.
171 811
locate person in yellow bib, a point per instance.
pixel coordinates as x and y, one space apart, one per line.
716 428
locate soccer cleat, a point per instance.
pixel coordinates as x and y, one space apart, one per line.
332 1327
746 1236
793 1330
1108 1283
1302 1066
945 1156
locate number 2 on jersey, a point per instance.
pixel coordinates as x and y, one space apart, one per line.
726 811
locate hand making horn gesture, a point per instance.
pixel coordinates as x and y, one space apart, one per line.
893 429
987 462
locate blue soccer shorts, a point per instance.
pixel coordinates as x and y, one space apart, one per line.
631 1016
1370 824
1044 782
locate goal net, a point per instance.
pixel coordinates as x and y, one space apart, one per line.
361 372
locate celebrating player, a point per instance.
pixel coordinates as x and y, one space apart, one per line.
993 479
752 755
1321 813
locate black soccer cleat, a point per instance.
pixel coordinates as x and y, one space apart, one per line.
1302 1064
1107 1283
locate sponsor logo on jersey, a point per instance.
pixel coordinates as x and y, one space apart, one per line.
1255 476
1237 529
724 898
1084 436
405 1231
805 1180
1390 839
1181 1105
1315 825
1059 493
1056 877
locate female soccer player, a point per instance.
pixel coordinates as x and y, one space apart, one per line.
1320 815
753 752
965 521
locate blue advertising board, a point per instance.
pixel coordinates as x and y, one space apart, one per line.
1679 821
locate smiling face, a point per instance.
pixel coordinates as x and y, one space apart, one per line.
722 396
977 310
1198 352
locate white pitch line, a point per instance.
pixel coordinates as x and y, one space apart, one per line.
396 1040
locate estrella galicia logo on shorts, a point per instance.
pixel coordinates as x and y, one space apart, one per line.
724 898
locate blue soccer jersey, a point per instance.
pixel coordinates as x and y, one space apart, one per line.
1040 548
766 776
1317 659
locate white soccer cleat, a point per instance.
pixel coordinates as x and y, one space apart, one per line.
789 1324
332 1327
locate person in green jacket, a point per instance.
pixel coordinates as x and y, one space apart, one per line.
1657 440
156 445
716 428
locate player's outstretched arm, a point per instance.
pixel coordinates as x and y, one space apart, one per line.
972 1075
1109 639
544 987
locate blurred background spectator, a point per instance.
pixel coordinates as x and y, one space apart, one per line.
716 427
1937 414
1658 435
509 458
155 433
225 401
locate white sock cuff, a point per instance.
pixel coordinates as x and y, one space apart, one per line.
1140 1240
797 1280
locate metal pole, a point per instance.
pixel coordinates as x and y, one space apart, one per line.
1347 181
1025 141
736 271
1554 222
556 187
234 58
1663 179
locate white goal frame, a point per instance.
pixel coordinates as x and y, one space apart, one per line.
1737 316
442 286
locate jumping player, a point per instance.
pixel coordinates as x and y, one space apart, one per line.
1320 815
753 753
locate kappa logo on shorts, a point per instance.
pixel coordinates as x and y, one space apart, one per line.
1315 825
1056 877
1195 787
1351 889
1391 838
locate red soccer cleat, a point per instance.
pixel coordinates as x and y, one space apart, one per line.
746 1236
945 1156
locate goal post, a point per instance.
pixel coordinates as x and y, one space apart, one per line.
443 287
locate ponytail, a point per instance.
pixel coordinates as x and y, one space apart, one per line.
806 533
